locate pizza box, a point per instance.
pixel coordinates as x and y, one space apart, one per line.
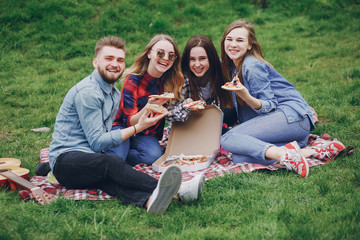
199 135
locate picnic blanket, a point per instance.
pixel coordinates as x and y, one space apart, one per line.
222 165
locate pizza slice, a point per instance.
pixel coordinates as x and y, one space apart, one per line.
183 160
167 95
191 160
157 109
196 105
233 85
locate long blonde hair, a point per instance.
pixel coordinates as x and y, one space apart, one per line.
173 78
255 50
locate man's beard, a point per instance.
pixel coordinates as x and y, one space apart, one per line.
105 78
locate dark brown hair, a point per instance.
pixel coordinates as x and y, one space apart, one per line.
214 74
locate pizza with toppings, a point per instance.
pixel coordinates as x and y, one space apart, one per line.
233 85
183 160
167 95
157 109
196 105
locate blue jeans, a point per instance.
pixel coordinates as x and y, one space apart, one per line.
143 149
123 149
249 141
108 172
138 149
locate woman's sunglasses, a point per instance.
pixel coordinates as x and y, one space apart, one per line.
161 54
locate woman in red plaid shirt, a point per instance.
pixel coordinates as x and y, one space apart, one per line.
155 71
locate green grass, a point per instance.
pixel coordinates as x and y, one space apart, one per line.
47 46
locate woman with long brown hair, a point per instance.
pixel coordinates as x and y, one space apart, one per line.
201 67
275 120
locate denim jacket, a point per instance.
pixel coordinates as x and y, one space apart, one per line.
273 90
85 118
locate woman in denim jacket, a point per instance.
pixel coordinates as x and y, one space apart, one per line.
275 120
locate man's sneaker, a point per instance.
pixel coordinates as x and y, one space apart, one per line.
42 169
191 190
326 149
168 185
295 160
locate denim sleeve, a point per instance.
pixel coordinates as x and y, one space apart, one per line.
89 106
257 78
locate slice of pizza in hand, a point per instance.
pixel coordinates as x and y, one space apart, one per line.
167 95
158 109
233 85
196 105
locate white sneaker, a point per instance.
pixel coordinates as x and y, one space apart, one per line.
191 190
168 185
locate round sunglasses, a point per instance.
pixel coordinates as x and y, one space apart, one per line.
161 54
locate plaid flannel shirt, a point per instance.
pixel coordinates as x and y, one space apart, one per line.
134 96
179 113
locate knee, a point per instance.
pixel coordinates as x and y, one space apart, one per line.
122 150
114 160
151 155
225 139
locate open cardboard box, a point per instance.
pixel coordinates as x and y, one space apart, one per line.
199 135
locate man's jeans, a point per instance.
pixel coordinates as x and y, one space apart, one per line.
108 172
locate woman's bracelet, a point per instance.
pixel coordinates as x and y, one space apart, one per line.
134 129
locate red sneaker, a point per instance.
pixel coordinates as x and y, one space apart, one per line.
326 149
295 160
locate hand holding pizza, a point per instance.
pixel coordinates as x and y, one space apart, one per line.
234 85
161 99
195 105
188 100
157 109
148 119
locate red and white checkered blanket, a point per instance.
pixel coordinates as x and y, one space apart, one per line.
222 165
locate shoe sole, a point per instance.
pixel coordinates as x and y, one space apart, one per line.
297 148
169 184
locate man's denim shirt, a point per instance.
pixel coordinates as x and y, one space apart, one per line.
85 118
273 91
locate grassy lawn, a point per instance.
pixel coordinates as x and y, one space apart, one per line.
47 46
